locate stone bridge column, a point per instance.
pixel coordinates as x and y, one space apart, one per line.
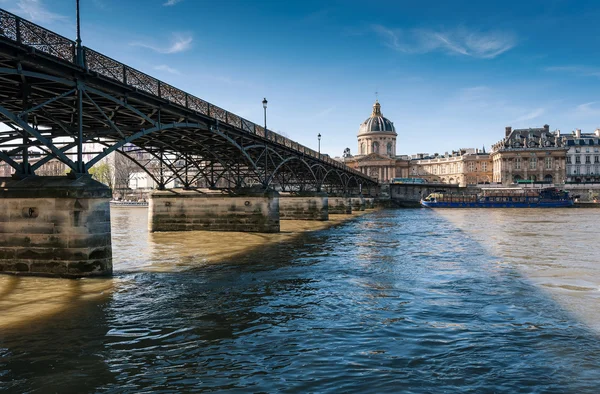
339 205
358 203
214 210
55 226
369 203
303 206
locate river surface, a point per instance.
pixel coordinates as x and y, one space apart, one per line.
416 301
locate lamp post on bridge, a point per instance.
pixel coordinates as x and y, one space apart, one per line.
264 103
319 138
78 48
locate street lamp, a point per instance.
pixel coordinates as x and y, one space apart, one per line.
265 108
319 137
264 103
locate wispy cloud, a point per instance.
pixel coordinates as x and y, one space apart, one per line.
591 108
164 67
179 43
35 11
325 112
533 114
473 94
583 71
169 3
459 41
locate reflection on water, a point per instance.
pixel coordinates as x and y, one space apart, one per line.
406 300
556 249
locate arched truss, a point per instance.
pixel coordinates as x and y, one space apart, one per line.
56 110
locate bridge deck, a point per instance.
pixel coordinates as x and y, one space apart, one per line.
52 104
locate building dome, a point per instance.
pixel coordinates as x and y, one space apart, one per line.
376 123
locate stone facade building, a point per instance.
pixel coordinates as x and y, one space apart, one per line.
463 167
533 154
583 156
377 149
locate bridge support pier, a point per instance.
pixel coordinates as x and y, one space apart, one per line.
214 210
358 203
340 205
303 206
369 203
55 226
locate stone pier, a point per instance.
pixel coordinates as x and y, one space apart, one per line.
303 206
55 226
340 205
358 203
369 203
214 210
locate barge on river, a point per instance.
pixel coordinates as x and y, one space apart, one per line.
549 197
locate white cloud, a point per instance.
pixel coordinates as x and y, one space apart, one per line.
533 114
583 71
171 2
180 42
164 67
591 108
461 41
35 11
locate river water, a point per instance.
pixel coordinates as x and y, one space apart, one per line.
393 301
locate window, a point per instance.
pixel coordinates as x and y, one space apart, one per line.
548 162
596 159
577 159
568 159
471 166
389 148
533 163
588 159
518 163
484 166
362 148
375 147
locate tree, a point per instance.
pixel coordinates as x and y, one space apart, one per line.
102 172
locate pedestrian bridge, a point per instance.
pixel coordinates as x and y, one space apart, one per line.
57 97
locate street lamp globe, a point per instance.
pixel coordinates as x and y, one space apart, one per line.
264 103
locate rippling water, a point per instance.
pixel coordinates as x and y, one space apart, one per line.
397 300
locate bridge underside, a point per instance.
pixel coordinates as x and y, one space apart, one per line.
55 108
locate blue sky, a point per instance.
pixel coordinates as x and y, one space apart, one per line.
451 74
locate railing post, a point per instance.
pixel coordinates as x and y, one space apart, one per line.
125 74
18 25
159 90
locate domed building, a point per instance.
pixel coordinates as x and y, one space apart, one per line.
377 134
377 149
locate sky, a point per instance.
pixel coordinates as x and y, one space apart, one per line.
449 74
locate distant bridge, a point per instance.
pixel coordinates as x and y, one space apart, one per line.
56 96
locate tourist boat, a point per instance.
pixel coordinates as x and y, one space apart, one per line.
549 197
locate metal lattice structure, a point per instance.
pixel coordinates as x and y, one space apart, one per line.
56 97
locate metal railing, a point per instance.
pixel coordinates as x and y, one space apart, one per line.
43 40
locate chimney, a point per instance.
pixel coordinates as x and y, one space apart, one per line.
546 128
597 132
507 130
577 133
